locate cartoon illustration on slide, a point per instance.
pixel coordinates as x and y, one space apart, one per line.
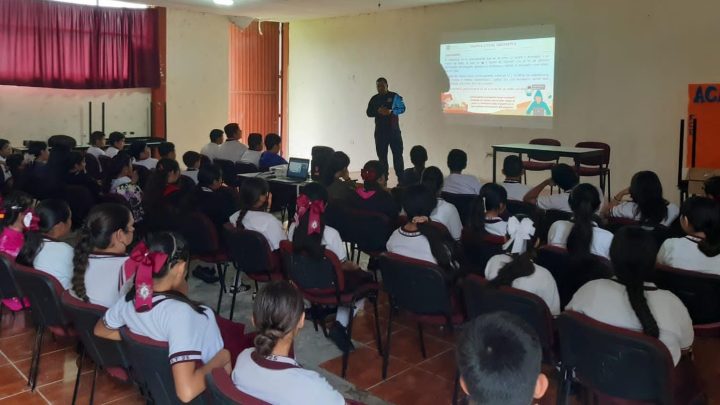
538 107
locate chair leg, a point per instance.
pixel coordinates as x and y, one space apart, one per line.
563 397
313 312
609 189
92 390
77 377
386 354
422 340
456 387
346 354
35 362
223 289
378 338
234 293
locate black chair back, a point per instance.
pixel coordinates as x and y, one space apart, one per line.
8 285
416 286
313 276
480 248
521 208
602 160
62 141
228 171
463 203
44 292
223 391
81 200
92 166
199 232
242 167
700 292
544 156
370 231
249 250
320 155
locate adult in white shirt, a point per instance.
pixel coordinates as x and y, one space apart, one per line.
255 145
97 142
141 155
456 182
255 200
647 205
211 149
513 171
444 212
629 303
279 314
700 249
117 143
232 149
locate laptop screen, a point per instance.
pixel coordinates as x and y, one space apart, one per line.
298 168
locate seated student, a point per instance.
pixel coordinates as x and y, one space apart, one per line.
418 157
158 308
37 152
499 359
256 199
100 254
271 157
630 300
279 314
486 210
124 182
210 150
18 216
700 249
647 205
444 212
515 267
17 177
166 150
192 162
141 155
97 142
336 178
232 149
76 174
252 154
44 248
5 152
711 186
565 178
513 171
456 182
162 195
210 199
373 195
582 236
117 143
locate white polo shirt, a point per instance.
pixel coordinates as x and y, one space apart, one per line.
540 283
290 386
210 150
410 244
5 169
192 173
630 210
111 151
331 240
461 184
251 156
515 190
190 336
448 215
231 150
150 163
97 152
496 226
555 202
683 253
264 223
56 258
601 239
104 279
607 301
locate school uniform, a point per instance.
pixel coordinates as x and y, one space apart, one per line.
558 201
105 281
540 283
6 174
56 259
210 150
379 201
341 190
231 150
515 190
149 163
261 376
191 173
190 336
630 210
601 239
331 240
251 156
410 244
95 151
683 253
496 226
607 301
265 223
132 193
111 151
456 183
447 214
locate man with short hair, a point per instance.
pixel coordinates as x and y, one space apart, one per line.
217 137
513 171
232 149
271 157
456 182
97 141
255 145
141 155
117 143
385 107
166 150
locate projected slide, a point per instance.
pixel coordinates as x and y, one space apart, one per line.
512 77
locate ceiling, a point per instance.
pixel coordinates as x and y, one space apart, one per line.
287 10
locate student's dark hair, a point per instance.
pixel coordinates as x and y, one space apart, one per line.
51 213
190 158
381 80
271 140
336 162
521 265
419 201
255 140
564 176
96 233
154 189
311 244
14 162
35 148
115 137
277 310
96 136
379 169
646 191
208 174
499 358
118 163
633 252
432 177
512 166
492 197
232 130
137 148
3 142
418 156
14 205
711 186
250 192
74 158
457 160
216 134
165 148
584 201
703 214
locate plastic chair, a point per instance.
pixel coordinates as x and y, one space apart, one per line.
521 208
596 165
479 249
421 289
242 167
8 285
228 171
92 166
223 391
463 203
541 161
365 231
107 354
320 155
81 200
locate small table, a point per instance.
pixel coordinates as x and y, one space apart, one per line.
560 151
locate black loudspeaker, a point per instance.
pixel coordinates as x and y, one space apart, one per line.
320 155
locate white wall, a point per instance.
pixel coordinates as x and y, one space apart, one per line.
622 70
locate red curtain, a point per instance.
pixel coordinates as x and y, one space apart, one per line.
61 45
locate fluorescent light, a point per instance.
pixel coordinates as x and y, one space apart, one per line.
223 2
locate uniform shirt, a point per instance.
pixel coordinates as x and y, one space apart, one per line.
540 283
456 183
251 156
150 163
331 240
192 173
607 301
496 226
231 150
190 336
210 150
56 258
447 214
111 151
132 193
601 239
97 152
265 223
410 244
7 175
105 282
630 210
299 386
555 202
268 160
515 190
683 253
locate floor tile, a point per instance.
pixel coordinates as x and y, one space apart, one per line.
365 367
364 328
443 365
11 381
20 347
107 389
415 387
26 398
15 325
133 399
707 361
406 346
56 366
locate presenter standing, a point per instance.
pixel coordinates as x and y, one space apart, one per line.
385 108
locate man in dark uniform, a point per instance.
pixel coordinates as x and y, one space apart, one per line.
385 108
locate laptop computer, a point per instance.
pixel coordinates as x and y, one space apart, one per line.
297 171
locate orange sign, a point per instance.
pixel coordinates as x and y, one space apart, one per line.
704 106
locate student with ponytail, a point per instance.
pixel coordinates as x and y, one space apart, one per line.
44 248
100 254
515 268
266 371
630 300
444 212
17 216
647 204
582 236
486 211
700 249
157 307
255 198
373 195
